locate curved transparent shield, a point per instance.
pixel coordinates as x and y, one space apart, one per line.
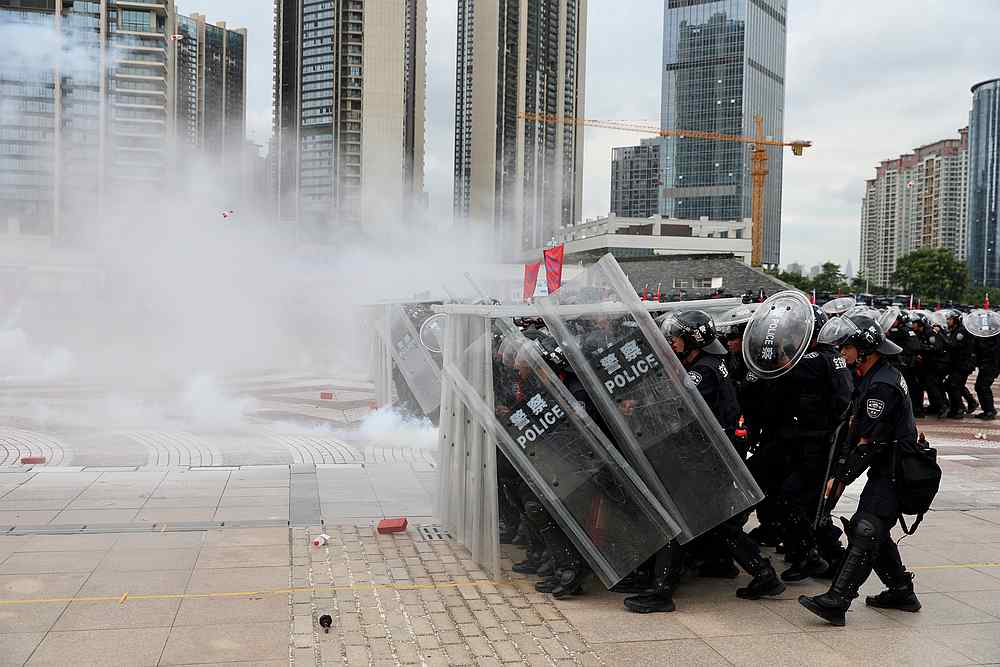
432 332
741 314
839 306
861 309
595 496
778 334
419 369
659 419
888 318
982 323
939 319
836 331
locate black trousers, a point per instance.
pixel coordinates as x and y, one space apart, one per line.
984 386
879 499
955 386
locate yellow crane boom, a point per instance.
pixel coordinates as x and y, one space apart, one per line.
758 169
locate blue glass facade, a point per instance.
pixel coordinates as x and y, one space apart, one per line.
984 183
723 63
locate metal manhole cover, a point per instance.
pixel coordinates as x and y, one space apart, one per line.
431 532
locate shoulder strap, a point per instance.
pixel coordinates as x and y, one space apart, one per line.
909 530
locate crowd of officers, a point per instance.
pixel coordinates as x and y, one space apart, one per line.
805 436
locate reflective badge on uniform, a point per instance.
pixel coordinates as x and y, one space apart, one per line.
695 377
723 370
960 336
751 377
839 363
811 355
875 408
902 385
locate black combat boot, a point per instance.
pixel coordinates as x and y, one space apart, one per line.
549 584
765 583
898 594
666 573
765 536
832 606
810 565
765 580
536 557
973 404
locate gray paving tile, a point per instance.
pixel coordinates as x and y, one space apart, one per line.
243 556
106 583
26 517
101 647
981 641
233 537
226 643
783 649
92 517
232 610
17 647
239 579
54 562
113 615
174 515
261 513
93 542
131 560
740 617
889 646
602 617
29 618
693 652
160 539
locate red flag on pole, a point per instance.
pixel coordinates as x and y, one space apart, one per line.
657 297
645 292
986 302
812 298
530 279
553 266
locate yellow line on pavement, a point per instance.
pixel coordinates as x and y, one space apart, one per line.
277 591
955 566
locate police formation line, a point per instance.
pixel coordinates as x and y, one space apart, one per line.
639 454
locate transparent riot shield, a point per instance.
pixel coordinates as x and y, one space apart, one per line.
839 306
432 333
660 421
778 334
420 371
888 318
734 317
598 500
982 323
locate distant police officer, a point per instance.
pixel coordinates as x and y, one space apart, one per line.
693 338
902 334
881 417
961 364
987 356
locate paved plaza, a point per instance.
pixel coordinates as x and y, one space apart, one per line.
187 544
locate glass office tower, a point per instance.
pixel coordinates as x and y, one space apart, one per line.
984 183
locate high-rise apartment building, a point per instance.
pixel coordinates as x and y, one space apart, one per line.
723 64
350 80
524 178
92 121
984 184
210 101
635 180
917 200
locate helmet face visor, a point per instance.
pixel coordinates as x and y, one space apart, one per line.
836 331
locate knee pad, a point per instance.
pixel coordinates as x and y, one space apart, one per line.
865 531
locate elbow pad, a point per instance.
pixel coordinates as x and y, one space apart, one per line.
854 462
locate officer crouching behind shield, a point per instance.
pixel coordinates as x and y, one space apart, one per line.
882 419
692 337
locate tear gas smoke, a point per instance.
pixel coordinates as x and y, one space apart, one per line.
163 293
388 428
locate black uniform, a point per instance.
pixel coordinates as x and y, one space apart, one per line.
906 362
883 417
933 370
987 357
961 365
815 396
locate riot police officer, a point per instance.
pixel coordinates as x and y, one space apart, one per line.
986 352
693 339
902 334
934 368
815 396
961 364
881 417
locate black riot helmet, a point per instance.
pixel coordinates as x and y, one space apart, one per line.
820 317
696 329
866 336
548 348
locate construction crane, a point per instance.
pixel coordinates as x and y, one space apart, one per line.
758 170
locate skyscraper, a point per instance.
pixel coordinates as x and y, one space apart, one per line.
984 183
516 57
917 200
635 179
349 96
93 121
723 64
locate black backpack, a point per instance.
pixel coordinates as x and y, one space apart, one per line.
916 477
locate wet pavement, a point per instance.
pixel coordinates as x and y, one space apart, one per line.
185 543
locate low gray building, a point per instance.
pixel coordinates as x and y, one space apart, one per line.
698 276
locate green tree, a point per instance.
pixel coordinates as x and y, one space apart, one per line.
932 274
859 283
830 279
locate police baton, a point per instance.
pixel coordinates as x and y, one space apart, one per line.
823 498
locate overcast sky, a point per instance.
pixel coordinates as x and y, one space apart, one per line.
866 81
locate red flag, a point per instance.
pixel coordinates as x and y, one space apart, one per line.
553 266
645 292
657 297
986 302
812 298
530 278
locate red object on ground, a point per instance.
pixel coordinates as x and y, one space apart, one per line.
386 526
32 460
326 395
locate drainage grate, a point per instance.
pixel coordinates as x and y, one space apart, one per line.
433 531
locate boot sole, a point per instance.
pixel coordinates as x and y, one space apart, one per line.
647 610
820 611
910 608
771 592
